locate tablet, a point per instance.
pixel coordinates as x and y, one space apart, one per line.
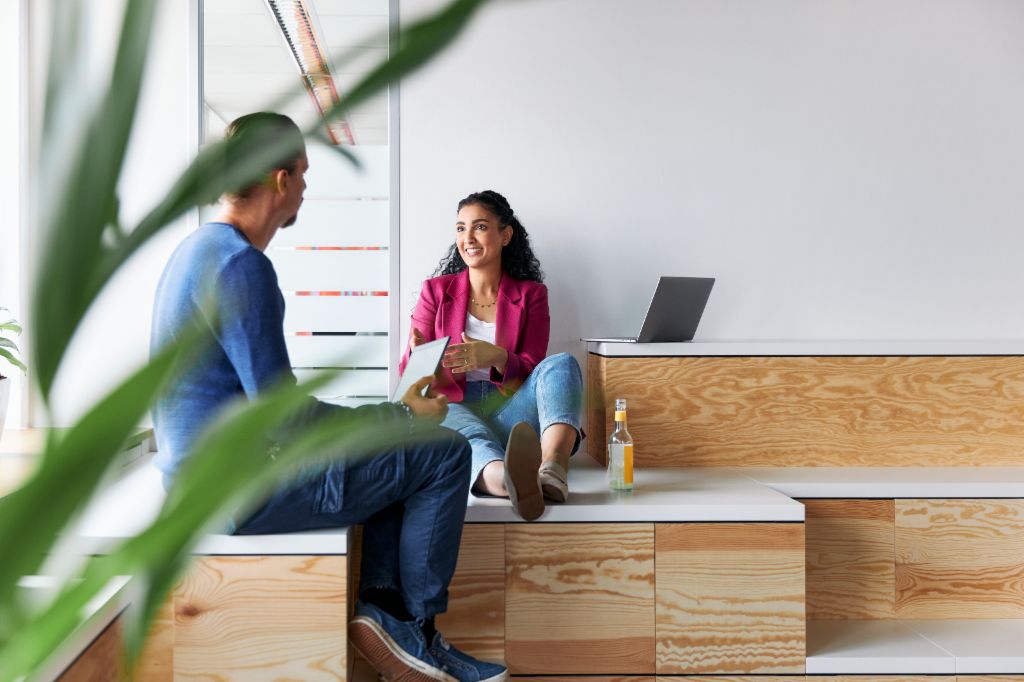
423 360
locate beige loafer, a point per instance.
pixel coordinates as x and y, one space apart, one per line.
554 481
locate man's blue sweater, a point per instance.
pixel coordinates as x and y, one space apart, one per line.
217 277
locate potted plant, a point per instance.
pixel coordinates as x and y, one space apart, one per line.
82 246
8 352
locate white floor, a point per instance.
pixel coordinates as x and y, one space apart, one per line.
915 647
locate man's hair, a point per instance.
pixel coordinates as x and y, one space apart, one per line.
267 127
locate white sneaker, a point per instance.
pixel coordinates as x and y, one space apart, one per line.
554 481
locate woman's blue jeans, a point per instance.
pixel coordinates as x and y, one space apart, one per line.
552 394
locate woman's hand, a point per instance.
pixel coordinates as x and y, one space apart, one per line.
417 338
474 354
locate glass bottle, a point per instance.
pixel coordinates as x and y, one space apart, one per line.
620 451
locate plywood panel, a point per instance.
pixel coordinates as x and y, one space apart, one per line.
960 558
851 570
262 618
586 678
579 598
475 621
730 598
990 678
881 678
103 661
733 678
821 411
156 663
597 420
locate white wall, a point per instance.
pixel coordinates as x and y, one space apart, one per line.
845 168
114 340
12 185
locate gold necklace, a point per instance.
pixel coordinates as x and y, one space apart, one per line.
483 305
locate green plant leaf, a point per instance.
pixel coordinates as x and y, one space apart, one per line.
9 357
84 198
82 166
7 343
73 465
10 326
160 551
210 175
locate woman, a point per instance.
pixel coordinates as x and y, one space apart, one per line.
487 295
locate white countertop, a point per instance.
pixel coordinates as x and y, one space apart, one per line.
681 495
769 348
915 647
891 482
979 646
872 647
99 613
134 501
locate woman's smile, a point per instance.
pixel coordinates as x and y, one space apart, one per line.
480 237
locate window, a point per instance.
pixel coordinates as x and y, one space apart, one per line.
335 264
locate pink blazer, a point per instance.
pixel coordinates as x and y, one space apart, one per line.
523 326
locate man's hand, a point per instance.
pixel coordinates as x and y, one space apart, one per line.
431 407
474 354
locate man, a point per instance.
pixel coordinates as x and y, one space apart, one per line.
411 499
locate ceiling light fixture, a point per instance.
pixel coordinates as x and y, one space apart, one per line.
294 18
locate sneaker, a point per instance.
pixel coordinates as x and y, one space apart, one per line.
396 649
464 667
522 460
554 481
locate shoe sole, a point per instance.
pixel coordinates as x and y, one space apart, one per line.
389 659
522 461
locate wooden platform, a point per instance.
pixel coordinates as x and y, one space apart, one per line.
786 411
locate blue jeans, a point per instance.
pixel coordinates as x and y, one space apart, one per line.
412 502
552 394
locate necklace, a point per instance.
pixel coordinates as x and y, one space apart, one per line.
483 305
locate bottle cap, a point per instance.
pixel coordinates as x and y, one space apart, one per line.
620 415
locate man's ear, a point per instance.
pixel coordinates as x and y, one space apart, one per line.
280 179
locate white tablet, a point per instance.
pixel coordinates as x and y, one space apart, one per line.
423 360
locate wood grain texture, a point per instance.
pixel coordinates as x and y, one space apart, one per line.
851 563
730 598
475 620
156 663
587 678
262 618
733 678
818 411
960 558
102 661
597 405
990 678
579 598
882 678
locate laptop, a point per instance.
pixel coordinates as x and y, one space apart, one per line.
674 313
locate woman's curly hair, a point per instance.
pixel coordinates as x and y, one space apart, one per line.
517 257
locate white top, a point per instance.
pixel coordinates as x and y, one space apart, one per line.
894 647
771 348
683 494
482 331
873 647
98 613
131 504
890 482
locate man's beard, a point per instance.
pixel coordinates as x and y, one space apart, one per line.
291 221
